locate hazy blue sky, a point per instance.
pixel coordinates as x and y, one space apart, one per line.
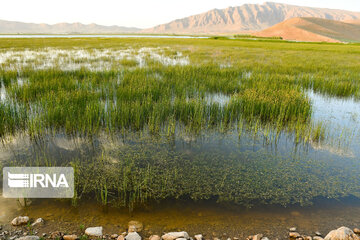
132 13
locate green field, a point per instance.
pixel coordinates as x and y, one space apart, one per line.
151 92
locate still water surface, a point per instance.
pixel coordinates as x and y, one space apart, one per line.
320 168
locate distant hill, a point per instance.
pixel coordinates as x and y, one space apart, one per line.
247 18
12 27
314 30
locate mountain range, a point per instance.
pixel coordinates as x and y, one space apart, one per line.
267 20
247 18
12 27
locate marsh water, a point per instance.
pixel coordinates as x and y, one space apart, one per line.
304 174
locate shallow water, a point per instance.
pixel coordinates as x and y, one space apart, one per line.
342 121
94 59
226 164
207 218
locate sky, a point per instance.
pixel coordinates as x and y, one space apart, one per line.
133 13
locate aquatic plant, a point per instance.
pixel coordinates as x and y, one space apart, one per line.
151 96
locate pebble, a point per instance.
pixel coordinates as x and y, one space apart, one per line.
317 238
70 237
154 237
94 231
257 237
20 220
318 234
121 237
294 235
264 238
114 236
293 229
133 236
198 237
38 221
342 233
356 230
175 235
28 238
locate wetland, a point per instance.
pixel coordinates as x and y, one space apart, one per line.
187 133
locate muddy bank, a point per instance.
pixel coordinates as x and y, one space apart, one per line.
22 228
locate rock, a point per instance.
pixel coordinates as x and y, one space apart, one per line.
257 237
198 237
264 238
154 237
133 236
135 226
342 233
70 237
356 230
293 229
38 221
20 220
28 238
294 235
175 235
317 238
94 231
308 238
44 235
318 234
114 236
121 237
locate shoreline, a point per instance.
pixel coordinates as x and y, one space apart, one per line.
209 219
25 228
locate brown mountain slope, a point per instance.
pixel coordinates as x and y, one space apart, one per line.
247 18
314 30
12 27
353 21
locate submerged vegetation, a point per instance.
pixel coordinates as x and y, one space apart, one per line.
153 91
